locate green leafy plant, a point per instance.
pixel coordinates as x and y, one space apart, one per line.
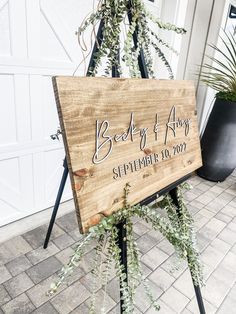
220 74
133 18
177 227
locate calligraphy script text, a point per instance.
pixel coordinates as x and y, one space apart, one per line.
103 140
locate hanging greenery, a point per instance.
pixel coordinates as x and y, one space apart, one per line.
133 18
177 227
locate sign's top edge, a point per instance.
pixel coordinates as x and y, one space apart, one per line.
150 82
115 78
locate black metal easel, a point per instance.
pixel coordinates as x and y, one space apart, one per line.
171 188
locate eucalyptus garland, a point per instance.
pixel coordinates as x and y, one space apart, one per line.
177 227
134 18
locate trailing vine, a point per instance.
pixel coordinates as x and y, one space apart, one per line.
134 18
177 227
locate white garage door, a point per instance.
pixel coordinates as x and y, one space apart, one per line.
37 40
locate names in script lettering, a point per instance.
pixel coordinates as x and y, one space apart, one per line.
104 140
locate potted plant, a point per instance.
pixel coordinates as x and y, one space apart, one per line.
219 139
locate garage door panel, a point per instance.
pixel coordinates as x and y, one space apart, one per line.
48 170
8 131
33 28
36 100
44 118
11 196
8 212
15 120
65 35
16 181
23 109
26 183
5 46
3 3
10 178
51 47
50 116
18 26
65 17
53 173
16 197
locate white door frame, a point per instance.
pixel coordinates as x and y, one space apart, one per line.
210 93
204 20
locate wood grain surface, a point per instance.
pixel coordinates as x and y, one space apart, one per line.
117 131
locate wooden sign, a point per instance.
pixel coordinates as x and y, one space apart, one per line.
117 131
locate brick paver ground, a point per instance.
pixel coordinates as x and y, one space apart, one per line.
26 269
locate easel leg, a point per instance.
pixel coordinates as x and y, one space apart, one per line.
57 203
199 299
173 194
123 255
